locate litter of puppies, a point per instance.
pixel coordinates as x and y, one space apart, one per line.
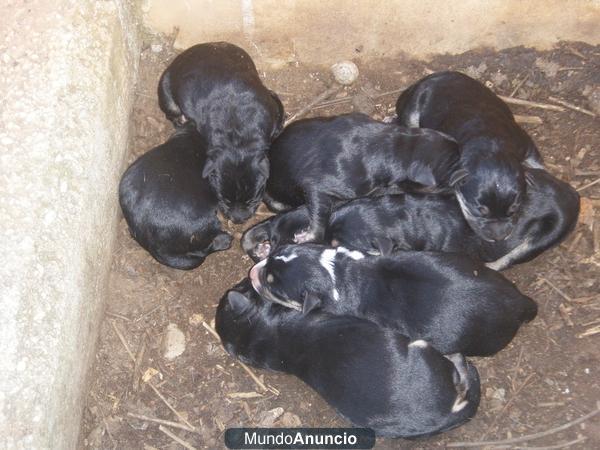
517 216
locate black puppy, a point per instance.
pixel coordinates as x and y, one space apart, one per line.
447 299
324 160
371 376
216 85
386 224
493 148
169 207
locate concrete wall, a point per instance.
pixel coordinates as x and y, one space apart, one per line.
67 71
321 32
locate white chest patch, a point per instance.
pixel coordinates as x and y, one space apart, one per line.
419 343
327 260
413 119
286 258
354 254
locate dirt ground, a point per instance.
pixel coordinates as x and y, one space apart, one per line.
547 377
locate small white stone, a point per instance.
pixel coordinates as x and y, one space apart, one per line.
345 72
156 48
173 343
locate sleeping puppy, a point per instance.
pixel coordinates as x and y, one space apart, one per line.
447 299
169 207
386 224
216 86
325 160
494 150
418 392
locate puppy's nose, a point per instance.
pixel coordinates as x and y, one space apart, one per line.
239 216
500 231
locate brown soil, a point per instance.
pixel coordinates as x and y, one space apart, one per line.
546 377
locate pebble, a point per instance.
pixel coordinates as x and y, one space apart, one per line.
268 418
345 72
173 344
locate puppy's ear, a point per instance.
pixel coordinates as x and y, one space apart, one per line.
311 301
209 166
263 167
238 302
384 245
529 178
460 174
222 241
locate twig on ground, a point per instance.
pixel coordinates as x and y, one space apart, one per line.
528 437
137 365
165 401
149 383
557 446
176 438
256 380
572 106
319 98
590 332
519 84
118 316
162 421
557 289
520 101
534 120
585 186
339 101
563 310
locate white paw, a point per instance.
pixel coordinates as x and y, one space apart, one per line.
262 250
304 236
389 119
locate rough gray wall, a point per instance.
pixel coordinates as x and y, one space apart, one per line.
67 73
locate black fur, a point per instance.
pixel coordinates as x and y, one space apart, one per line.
447 299
493 148
216 86
381 225
324 160
169 207
369 375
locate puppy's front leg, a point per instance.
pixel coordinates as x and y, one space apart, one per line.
511 257
319 211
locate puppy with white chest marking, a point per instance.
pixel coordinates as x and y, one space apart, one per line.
418 392
447 299
169 207
387 224
494 150
217 87
323 161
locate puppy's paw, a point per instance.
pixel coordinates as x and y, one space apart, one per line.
389 119
262 250
180 121
304 236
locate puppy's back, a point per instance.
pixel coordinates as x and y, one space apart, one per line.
415 393
167 204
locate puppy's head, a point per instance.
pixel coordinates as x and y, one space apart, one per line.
490 193
296 276
301 277
240 313
238 182
265 237
242 317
